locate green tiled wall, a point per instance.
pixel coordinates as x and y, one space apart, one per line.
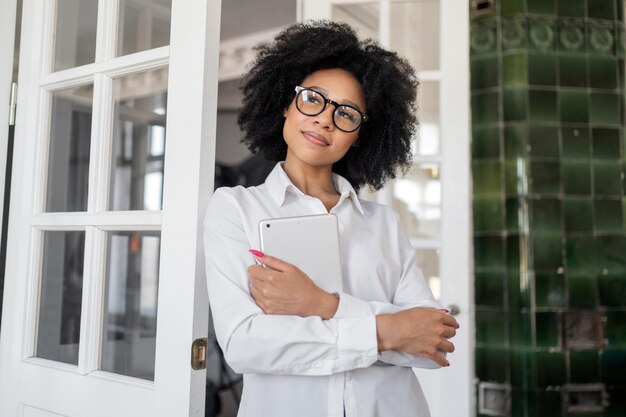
549 202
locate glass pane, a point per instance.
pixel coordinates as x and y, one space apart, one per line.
415 33
130 306
428 261
70 141
417 198
144 24
139 141
362 17
427 142
58 330
75 33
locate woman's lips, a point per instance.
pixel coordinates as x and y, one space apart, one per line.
315 138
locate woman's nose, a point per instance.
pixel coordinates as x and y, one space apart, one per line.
325 118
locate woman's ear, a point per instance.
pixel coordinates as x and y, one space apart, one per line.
356 143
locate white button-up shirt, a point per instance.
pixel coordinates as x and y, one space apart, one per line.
305 366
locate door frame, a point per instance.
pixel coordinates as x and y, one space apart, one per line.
182 297
8 14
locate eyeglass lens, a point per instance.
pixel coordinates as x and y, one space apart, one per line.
312 103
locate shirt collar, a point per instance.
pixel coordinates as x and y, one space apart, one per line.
278 183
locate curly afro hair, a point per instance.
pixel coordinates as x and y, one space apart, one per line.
389 83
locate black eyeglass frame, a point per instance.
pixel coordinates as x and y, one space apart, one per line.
327 101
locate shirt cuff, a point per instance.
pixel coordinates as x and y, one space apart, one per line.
350 306
358 336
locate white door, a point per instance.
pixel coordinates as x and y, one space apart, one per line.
114 157
433 198
7 41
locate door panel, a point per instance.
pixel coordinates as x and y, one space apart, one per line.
106 290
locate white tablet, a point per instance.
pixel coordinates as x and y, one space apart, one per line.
309 242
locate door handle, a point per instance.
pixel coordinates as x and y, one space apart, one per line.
454 309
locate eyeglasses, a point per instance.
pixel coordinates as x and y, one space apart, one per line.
345 117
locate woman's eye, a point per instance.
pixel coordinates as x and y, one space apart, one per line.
346 115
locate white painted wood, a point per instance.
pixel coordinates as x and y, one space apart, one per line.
7 43
455 239
35 387
456 261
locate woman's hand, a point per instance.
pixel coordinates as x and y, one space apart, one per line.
418 331
284 289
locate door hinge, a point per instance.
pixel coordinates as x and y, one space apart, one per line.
13 104
198 353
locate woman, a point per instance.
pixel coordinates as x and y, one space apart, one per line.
340 114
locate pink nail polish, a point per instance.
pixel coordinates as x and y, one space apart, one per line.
257 253
445 310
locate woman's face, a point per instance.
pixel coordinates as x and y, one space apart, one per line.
315 140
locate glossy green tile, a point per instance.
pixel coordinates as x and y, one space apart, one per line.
549 289
582 289
520 336
576 178
489 253
611 253
483 37
485 108
617 403
612 365
485 142
488 214
616 329
521 369
519 290
513 214
515 140
621 42
572 71
491 364
541 69
605 143
545 215
584 367
546 403
546 7
542 106
547 329
577 215
576 143
515 105
541 32
519 402
489 289
547 251
604 109
551 370
484 72
601 37
572 35
514 178
608 216
574 106
543 142
514 70
487 178
513 253
546 178
571 8
607 179
603 73
580 253
512 6
490 327
612 289
601 9
513 32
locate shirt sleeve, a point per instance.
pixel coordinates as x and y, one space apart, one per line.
254 342
412 291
